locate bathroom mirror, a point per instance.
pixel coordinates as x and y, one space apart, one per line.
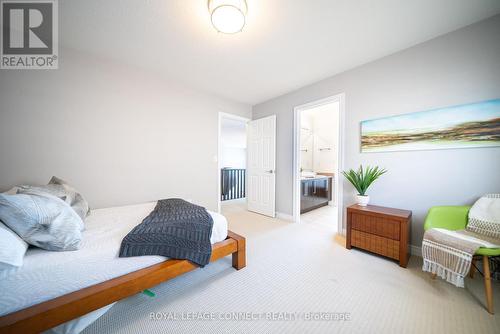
306 149
316 149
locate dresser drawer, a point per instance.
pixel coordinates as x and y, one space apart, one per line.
376 244
381 230
383 227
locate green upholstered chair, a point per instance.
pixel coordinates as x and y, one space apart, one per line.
455 218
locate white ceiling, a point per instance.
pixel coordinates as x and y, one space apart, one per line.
285 45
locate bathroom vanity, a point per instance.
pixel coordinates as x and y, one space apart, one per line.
315 192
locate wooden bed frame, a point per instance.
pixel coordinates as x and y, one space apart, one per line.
51 313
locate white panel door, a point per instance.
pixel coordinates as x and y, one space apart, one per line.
261 165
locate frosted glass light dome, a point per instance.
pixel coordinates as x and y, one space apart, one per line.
228 16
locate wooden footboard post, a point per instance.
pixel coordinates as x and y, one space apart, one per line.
239 257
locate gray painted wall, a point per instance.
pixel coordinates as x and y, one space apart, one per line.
119 134
460 67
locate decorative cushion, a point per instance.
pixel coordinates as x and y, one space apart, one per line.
61 189
42 220
12 248
484 216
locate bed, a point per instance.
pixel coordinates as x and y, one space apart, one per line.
52 288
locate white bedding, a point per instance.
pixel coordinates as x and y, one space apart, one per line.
46 275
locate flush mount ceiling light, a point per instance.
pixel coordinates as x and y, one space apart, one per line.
228 16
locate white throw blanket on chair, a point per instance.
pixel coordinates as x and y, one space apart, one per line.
449 253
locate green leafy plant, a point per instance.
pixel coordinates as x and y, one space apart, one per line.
363 178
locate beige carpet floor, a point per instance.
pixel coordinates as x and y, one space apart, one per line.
294 272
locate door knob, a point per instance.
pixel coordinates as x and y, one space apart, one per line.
270 171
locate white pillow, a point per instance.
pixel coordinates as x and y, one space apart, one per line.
42 220
12 248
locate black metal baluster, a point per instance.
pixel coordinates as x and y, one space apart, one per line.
233 183
244 184
242 173
238 195
226 185
238 183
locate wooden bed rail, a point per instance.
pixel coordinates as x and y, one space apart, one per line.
54 312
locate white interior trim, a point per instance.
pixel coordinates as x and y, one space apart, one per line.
338 184
219 148
284 216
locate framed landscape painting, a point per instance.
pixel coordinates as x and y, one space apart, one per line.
463 126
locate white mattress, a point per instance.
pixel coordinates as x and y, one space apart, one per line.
46 275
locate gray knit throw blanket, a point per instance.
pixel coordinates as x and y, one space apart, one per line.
176 229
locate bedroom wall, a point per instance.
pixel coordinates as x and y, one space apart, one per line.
460 67
118 134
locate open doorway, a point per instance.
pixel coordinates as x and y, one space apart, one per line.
232 158
318 161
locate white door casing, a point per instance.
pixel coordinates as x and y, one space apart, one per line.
261 165
338 188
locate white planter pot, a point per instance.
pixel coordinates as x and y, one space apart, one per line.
363 200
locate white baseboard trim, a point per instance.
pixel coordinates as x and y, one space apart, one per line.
284 216
416 250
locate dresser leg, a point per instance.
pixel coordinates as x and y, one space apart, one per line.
403 258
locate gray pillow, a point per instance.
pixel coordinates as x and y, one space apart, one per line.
42 220
59 188
12 191
12 248
78 200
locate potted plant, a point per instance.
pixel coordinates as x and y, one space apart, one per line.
362 179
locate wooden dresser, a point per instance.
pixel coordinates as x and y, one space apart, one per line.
385 231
